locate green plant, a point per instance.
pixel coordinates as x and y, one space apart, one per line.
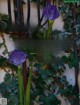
4 20
9 89
47 83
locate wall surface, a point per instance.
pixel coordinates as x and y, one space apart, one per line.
3 7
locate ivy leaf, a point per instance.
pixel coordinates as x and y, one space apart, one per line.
53 87
44 73
78 9
1 44
4 17
3 25
78 29
5 51
2 61
64 59
37 65
78 20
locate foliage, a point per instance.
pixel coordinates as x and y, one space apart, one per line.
32 54
70 60
48 82
9 89
4 64
4 21
52 82
72 96
2 61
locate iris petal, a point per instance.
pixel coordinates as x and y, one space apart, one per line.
17 57
50 12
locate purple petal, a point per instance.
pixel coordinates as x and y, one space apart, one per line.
50 12
17 57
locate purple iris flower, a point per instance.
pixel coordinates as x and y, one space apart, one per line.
50 12
17 57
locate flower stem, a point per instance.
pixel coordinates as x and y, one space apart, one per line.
28 89
49 31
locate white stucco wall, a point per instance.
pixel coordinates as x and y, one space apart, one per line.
3 7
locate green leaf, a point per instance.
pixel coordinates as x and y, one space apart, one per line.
78 9
1 44
44 74
64 59
3 25
4 17
5 51
2 61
